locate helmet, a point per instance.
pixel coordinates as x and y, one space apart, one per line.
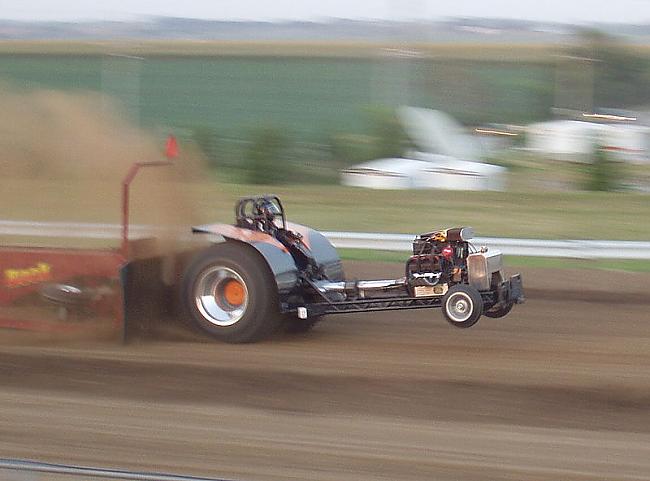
268 210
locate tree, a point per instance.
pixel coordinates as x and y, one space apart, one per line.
620 74
266 161
603 174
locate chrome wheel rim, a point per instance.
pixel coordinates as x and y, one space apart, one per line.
459 307
212 300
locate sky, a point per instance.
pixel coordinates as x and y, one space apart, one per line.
566 11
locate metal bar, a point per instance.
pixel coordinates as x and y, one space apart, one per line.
69 470
79 230
376 305
124 246
126 185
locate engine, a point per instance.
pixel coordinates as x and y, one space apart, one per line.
439 260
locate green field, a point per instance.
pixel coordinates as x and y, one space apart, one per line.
559 215
570 215
279 48
310 91
552 216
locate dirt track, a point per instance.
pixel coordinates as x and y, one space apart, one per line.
560 390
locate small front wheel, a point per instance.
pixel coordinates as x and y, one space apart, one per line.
462 306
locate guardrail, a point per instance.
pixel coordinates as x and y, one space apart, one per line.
576 249
18 465
79 230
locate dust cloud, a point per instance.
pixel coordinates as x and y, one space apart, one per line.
63 157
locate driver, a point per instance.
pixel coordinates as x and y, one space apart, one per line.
267 211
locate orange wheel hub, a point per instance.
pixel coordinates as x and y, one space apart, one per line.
234 292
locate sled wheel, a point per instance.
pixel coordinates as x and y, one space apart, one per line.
295 325
230 293
499 311
462 306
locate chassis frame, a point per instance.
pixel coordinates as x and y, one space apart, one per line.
509 290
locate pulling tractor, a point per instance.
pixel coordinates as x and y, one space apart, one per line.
264 271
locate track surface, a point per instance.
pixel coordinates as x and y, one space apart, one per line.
558 390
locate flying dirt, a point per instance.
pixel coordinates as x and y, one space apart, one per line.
64 159
558 390
62 149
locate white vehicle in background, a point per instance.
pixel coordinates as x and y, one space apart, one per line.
446 157
576 140
570 140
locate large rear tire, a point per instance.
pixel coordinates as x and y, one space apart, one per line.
462 306
230 293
